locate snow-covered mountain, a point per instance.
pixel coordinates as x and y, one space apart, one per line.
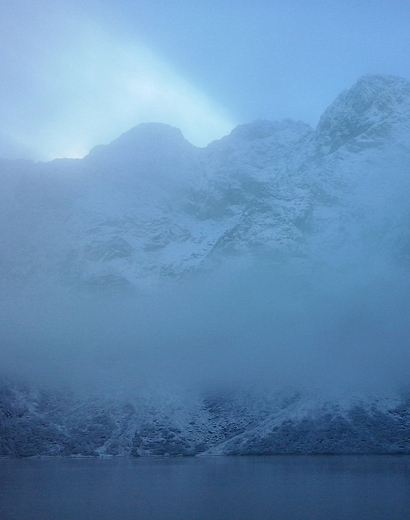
323 212
151 206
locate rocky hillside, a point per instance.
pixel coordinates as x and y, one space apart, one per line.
35 422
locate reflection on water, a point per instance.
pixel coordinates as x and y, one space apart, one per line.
226 488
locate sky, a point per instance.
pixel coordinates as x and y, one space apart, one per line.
77 74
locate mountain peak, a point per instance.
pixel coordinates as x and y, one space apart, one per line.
374 102
151 138
150 132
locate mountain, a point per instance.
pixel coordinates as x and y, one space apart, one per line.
278 255
151 206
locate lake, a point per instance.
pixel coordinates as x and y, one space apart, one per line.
226 488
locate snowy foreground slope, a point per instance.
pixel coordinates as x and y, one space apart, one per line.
34 422
288 251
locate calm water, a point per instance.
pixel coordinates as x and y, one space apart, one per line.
226 488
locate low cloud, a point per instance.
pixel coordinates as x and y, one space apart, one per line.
266 325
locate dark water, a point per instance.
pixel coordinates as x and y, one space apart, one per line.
259 488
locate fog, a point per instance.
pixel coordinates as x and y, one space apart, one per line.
259 324
337 319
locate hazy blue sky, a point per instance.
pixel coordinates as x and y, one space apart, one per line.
76 74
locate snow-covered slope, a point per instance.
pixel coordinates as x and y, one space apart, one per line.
36 422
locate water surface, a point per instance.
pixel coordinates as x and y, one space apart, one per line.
225 488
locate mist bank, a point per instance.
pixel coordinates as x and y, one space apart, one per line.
259 323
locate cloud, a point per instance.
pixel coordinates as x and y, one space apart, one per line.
71 84
267 325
